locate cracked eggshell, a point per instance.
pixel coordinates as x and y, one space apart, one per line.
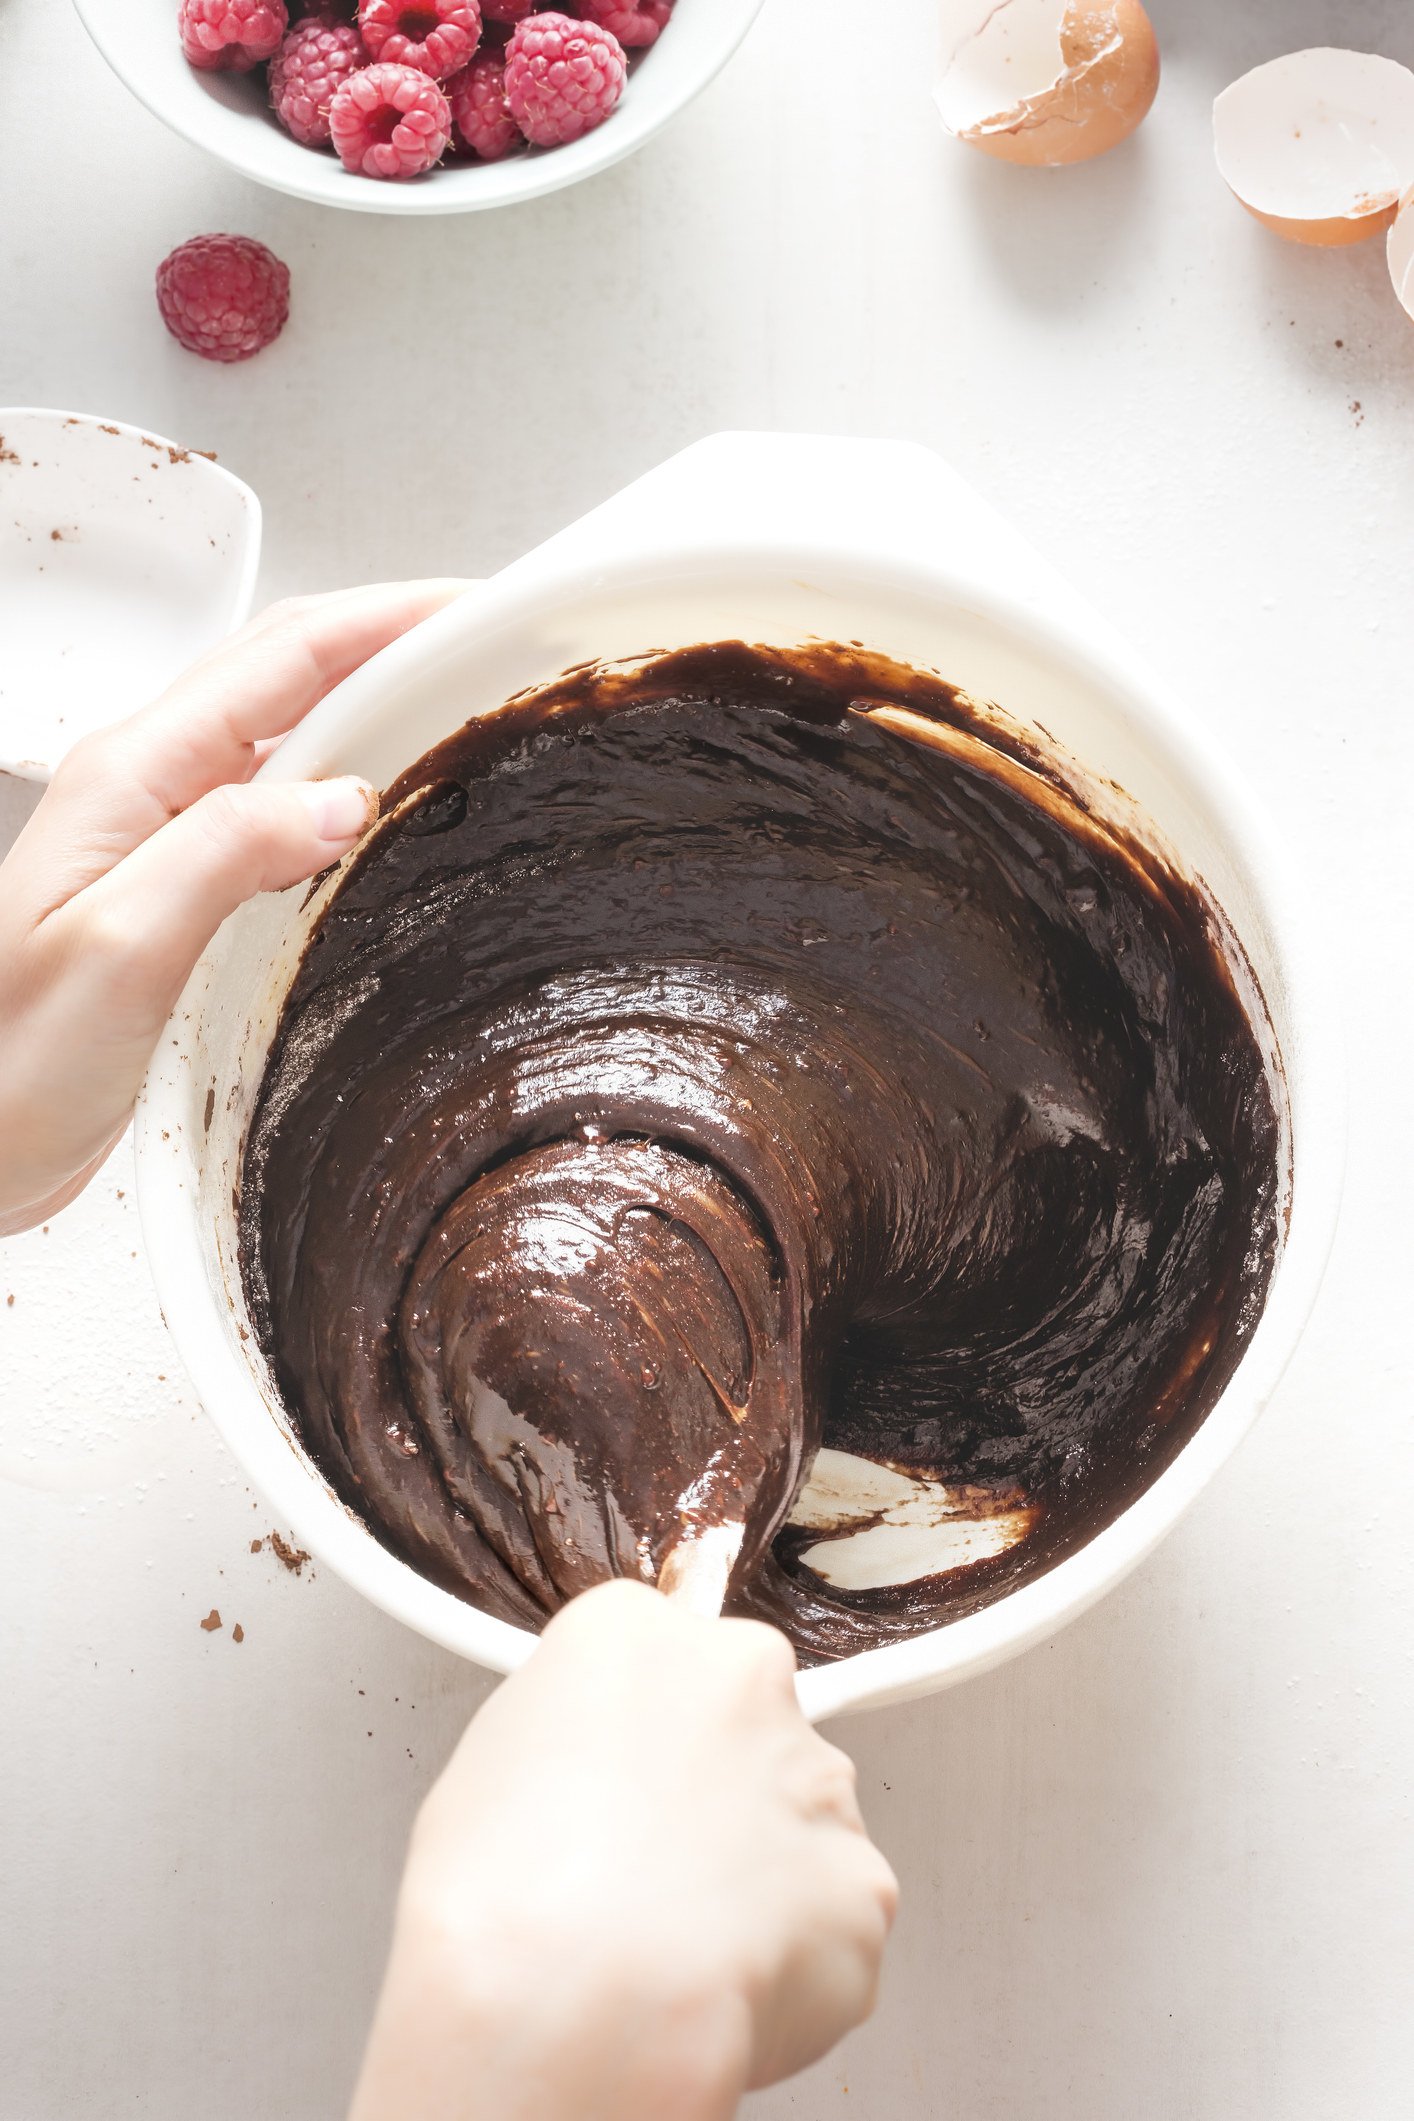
1319 146
1046 81
1399 250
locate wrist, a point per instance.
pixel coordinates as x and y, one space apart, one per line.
547 2027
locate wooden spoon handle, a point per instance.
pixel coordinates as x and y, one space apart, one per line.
696 1573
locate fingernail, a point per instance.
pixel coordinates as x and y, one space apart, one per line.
340 809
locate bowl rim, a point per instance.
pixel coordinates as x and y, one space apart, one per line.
202 122
964 1647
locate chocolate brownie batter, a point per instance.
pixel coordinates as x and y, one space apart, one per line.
745 1053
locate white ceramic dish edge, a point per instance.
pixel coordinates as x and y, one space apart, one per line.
813 504
28 750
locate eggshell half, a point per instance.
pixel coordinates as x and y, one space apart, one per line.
1046 81
1319 145
1399 249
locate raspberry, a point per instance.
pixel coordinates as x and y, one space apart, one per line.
389 121
317 55
480 112
435 36
223 297
233 35
562 78
633 22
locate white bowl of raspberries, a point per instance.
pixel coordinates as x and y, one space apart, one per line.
416 106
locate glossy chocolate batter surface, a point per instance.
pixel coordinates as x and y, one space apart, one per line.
751 1053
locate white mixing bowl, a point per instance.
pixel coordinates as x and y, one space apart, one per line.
772 539
229 115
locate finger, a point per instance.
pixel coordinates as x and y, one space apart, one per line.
759 1650
122 784
164 903
831 1981
610 1614
289 657
111 963
834 1990
827 1786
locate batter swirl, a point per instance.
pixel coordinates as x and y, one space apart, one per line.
746 1054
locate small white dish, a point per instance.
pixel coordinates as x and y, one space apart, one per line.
122 558
777 539
229 116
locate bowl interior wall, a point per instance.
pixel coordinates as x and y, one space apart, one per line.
495 645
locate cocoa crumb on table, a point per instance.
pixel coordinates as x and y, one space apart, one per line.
293 1557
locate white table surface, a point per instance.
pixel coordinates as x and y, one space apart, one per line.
1159 1867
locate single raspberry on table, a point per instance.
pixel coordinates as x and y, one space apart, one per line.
317 55
633 22
223 297
390 121
480 113
436 36
562 78
232 35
